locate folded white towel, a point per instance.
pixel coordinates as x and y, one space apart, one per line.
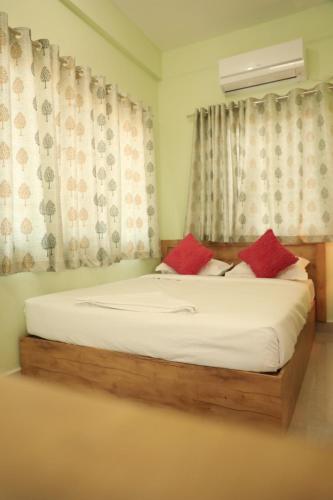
143 302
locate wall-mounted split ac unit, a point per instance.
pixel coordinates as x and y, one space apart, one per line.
277 63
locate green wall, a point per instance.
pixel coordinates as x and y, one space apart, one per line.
190 80
116 49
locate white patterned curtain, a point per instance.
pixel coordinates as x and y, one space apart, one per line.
77 171
213 179
278 153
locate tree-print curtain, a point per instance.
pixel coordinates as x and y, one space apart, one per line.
264 165
77 172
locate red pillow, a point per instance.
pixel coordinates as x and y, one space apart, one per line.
189 256
267 257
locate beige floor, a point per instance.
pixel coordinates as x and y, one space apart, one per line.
313 417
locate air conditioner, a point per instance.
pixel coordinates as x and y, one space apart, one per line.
260 67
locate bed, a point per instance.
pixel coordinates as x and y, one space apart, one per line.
186 361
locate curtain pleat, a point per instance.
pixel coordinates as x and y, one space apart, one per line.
212 187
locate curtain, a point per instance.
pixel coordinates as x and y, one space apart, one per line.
77 171
213 178
274 169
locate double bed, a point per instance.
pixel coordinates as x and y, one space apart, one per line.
242 355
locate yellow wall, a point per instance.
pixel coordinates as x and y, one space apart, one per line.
190 80
116 49
112 24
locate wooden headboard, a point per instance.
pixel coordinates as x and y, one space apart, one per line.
314 252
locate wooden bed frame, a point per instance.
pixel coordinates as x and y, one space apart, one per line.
265 398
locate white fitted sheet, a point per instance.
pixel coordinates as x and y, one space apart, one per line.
241 323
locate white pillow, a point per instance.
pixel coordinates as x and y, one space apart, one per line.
296 272
213 268
241 270
165 269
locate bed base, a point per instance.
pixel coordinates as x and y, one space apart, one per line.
258 398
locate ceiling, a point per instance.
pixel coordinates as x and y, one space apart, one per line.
172 23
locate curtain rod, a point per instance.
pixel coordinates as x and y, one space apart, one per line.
278 98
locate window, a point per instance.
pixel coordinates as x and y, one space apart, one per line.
264 164
77 176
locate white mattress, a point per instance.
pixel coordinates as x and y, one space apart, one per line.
245 324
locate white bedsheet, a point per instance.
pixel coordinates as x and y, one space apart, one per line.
147 302
242 324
